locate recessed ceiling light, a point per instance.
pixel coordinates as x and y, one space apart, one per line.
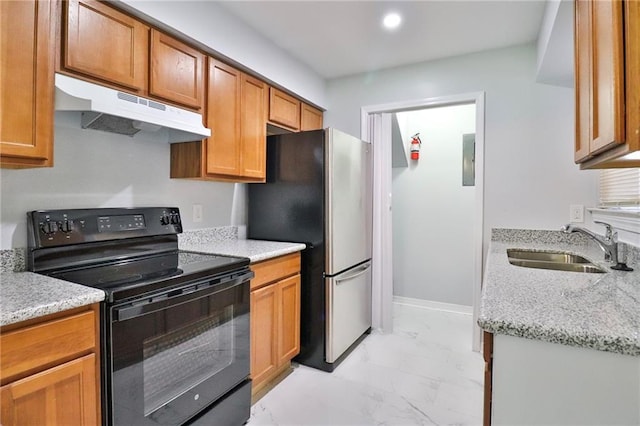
392 21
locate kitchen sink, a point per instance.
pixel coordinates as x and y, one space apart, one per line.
555 260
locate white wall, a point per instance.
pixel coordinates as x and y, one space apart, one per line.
97 169
530 177
209 23
433 232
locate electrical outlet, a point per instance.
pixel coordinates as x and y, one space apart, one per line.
576 213
197 212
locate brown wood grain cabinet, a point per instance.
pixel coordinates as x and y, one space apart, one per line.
284 109
275 319
112 48
176 71
310 118
253 104
50 370
264 332
27 61
607 82
224 147
487 352
106 44
236 114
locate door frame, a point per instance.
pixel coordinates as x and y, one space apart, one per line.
375 127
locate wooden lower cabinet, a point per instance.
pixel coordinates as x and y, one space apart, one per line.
487 352
50 370
62 395
275 319
264 333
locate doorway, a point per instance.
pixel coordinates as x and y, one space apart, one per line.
376 122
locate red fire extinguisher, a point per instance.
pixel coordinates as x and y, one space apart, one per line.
415 146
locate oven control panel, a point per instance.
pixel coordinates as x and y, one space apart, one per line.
49 228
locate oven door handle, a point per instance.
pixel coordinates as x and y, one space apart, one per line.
179 296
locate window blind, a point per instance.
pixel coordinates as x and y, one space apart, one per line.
620 187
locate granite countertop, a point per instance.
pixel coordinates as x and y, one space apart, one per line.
596 311
26 295
255 250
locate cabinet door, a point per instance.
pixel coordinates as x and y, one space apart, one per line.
104 43
599 76
310 118
284 109
264 332
253 127
487 352
583 42
177 71
63 395
223 117
632 78
289 319
27 37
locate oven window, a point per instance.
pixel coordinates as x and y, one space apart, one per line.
175 362
175 356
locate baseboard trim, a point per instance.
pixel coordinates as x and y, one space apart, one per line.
430 304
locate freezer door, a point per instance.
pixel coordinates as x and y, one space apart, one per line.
348 309
348 201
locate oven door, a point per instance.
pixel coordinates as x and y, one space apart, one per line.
173 354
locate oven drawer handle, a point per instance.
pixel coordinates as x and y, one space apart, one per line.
179 296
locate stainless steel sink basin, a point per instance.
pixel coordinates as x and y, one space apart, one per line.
556 260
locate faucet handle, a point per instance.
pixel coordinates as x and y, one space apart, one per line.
609 234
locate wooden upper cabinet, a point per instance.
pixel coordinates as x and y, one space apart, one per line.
27 60
223 116
176 71
606 81
253 127
310 118
106 44
284 109
237 116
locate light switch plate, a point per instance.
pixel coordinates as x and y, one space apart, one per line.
197 212
576 213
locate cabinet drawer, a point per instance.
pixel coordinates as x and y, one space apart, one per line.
275 269
33 348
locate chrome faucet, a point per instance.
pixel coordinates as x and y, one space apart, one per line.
608 243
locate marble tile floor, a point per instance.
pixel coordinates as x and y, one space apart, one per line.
424 373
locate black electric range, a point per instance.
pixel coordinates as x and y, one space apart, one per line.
165 311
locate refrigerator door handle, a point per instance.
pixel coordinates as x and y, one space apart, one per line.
356 273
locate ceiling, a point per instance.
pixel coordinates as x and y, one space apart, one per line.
338 38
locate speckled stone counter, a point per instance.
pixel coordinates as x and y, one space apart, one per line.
597 311
25 295
255 250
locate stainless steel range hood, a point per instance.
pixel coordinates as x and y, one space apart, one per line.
109 110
